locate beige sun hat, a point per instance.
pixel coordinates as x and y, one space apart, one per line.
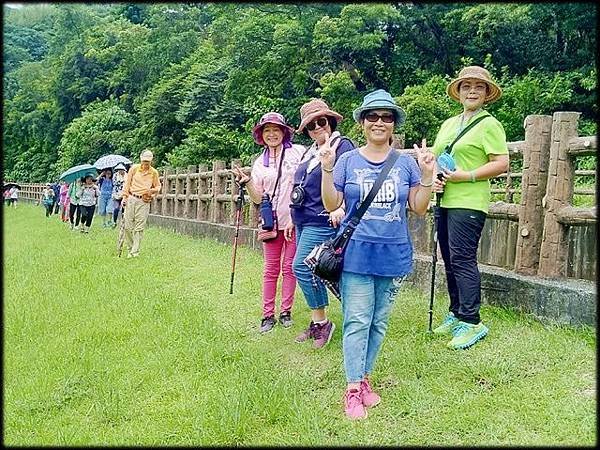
480 74
313 109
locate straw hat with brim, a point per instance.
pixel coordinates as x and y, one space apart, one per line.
380 99
276 119
313 109
480 74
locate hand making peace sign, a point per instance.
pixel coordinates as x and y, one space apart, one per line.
426 161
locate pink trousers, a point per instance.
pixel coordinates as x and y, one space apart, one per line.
273 266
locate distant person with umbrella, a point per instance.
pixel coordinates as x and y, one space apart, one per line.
142 184
74 210
105 210
88 199
117 192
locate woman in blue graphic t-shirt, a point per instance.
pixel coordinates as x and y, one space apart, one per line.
379 253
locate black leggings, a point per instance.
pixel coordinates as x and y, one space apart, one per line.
48 209
74 213
87 214
116 212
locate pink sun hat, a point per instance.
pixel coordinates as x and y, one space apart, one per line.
274 118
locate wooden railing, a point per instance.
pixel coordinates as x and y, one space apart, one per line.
541 234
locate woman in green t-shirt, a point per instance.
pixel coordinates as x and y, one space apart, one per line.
480 154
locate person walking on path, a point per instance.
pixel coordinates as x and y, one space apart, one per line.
88 199
105 203
13 197
48 199
56 204
74 209
314 224
379 253
117 192
64 202
141 185
273 171
479 155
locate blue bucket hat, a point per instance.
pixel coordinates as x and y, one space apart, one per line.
380 99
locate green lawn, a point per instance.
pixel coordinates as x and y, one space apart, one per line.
100 350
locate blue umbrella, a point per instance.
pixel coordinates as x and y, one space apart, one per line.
79 171
110 161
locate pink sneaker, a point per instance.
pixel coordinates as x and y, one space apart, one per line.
369 398
353 405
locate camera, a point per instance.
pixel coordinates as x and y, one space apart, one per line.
297 197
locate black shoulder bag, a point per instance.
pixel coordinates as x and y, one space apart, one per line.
326 260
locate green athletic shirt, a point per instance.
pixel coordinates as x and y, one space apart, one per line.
470 152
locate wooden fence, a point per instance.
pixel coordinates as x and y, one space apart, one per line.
541 234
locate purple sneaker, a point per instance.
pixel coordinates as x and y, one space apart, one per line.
322 334
307 334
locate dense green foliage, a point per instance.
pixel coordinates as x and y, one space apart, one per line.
190 80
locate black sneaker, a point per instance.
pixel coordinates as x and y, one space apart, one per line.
267 324
285 318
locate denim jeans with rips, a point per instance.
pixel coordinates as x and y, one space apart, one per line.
367 301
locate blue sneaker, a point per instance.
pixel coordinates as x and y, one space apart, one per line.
466 334
447 325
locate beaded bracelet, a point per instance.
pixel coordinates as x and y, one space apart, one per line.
426 185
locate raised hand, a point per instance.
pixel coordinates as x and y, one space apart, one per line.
240 176
426 161
326 153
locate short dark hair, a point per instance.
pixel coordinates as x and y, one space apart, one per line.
332 121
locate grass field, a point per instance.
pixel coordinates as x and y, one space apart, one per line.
100 350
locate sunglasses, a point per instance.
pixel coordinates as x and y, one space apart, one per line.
321 121
374 117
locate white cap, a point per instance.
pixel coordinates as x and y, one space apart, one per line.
146 155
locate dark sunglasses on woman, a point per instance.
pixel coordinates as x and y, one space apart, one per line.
321 121
374 117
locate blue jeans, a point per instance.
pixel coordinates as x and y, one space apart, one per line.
366 304
105 205
307 237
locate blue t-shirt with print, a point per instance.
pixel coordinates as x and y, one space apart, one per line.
312 212
381 243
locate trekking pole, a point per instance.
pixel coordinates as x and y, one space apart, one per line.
121 235
239 204
434 227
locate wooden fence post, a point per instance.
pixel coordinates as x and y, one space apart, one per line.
165 191
178 191
218 188
559 193
188 191
201 207
536 154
